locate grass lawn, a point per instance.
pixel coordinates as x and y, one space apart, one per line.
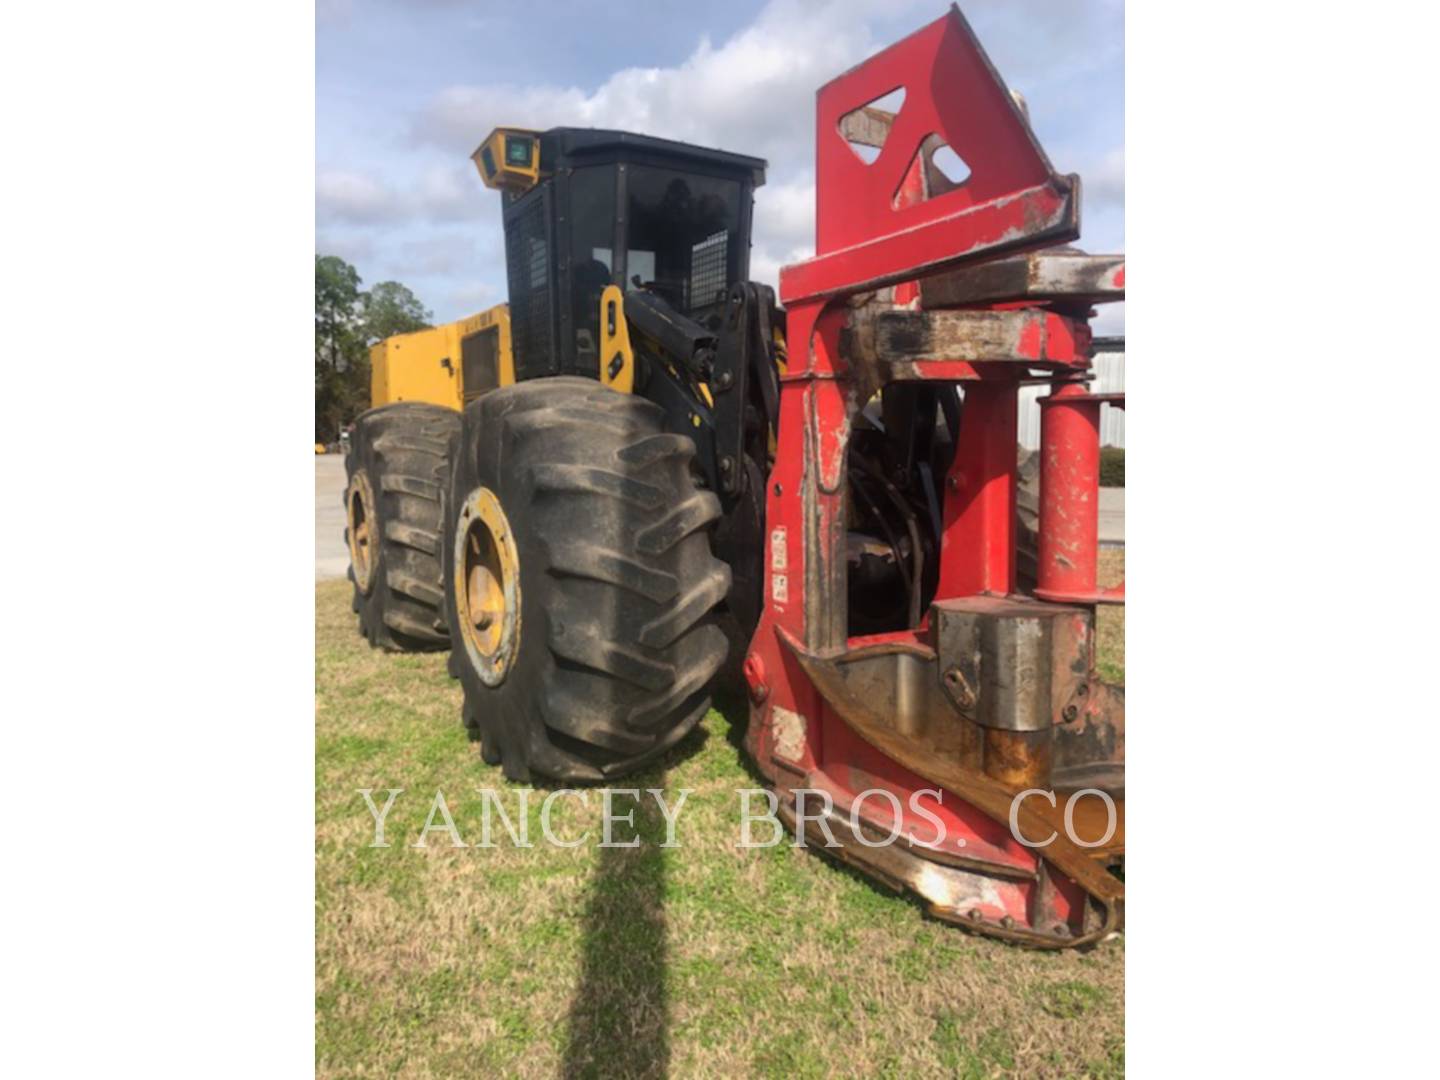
703 959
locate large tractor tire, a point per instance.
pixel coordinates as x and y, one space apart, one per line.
582 584
398 471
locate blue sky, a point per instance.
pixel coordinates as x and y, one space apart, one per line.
406 89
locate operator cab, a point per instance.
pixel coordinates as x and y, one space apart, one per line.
587 208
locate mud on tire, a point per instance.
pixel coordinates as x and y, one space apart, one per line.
616 642
398 473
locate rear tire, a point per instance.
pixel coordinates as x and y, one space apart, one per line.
398 471
607 656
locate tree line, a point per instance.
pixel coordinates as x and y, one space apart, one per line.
348 320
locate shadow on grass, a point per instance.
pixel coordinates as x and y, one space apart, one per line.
734 705
619 1016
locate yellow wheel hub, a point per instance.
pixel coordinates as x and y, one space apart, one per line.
487 586
361 530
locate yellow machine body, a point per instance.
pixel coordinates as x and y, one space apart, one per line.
445 365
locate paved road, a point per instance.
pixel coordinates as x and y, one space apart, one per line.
331 558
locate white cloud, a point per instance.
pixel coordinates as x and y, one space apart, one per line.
752 93
442 193
352 197
784 227
448 193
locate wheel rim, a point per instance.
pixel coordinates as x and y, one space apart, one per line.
487 586
360 531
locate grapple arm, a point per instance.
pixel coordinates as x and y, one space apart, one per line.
989 692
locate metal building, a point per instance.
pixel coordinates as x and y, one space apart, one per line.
1109 378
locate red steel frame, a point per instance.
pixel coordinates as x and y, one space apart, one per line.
871 234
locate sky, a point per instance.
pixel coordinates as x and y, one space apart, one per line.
407 89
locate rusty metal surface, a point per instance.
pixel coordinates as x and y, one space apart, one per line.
894 341
867 719
1093 744
1043 214
952 891
867 127
1082 744
879 344
1024 665
1020 760
1052 274
899 681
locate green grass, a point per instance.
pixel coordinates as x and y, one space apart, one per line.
698 960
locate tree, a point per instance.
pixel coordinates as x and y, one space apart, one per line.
340 360
390 308
348 321
337 297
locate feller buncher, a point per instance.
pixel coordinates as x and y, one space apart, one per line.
577 490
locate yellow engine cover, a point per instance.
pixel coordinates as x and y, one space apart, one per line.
445 365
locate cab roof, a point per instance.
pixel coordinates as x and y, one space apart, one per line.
576 146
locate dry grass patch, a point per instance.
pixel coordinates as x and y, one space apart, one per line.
1110 620
700 960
